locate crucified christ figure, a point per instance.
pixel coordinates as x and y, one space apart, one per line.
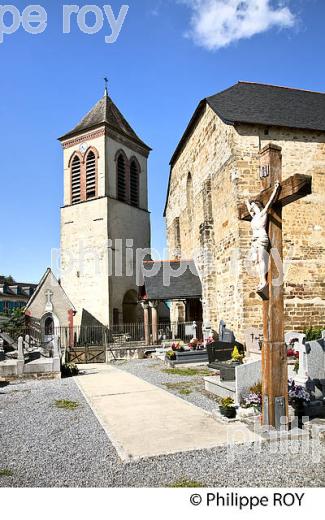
261 242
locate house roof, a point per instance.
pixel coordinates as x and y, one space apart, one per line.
105 112
260 104
13 290
170 280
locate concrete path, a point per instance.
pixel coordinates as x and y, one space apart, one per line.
143 420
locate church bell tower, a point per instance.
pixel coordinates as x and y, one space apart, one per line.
105 218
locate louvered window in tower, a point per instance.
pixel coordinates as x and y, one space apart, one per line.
134 184
75 180
90 175
121 178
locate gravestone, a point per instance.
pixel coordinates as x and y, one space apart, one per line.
221 350
316 359
253 342
190 330
207 331
225 335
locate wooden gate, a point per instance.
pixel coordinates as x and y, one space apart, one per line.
86 355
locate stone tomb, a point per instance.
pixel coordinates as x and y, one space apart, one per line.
245 375
26 361
311 372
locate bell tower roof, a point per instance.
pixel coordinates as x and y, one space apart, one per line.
106 113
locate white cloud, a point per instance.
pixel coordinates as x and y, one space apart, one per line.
217 23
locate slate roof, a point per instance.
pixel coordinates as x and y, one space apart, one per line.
186 285
105 112
260 104
17 289
269 105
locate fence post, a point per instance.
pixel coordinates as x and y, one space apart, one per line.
56 355
21 359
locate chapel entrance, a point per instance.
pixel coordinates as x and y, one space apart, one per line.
49 327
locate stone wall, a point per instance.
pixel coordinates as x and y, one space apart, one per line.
61 304
224 164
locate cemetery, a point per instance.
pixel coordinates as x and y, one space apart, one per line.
149 382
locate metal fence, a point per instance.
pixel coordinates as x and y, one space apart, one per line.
94 336
183 331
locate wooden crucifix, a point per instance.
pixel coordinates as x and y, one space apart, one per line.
266 210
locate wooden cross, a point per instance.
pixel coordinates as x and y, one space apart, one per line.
274 355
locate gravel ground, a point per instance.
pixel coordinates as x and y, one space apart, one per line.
42 445
151 370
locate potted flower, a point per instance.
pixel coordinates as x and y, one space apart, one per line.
252 400
236 357
227 407
298 398
171 355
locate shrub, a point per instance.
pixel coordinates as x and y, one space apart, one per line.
257 388
313 333
235 356
170 354
227 402
69 370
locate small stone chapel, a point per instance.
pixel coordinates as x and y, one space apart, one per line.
216 167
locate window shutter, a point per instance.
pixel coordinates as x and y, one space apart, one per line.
121 179
75 180
90 175
134 184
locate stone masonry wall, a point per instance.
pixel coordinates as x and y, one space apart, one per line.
228 157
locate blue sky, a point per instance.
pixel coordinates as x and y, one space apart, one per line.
168 56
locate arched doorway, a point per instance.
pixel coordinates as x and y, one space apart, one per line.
50 327
131 308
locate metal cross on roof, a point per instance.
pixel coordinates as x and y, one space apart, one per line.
106 86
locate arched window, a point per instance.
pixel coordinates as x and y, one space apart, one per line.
91 168
121 178
134 183
75 180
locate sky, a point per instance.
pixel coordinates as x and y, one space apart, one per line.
168 56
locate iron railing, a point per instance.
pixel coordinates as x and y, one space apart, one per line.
87 335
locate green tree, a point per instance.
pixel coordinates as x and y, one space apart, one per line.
16 324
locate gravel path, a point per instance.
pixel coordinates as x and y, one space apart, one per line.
42 445
151 370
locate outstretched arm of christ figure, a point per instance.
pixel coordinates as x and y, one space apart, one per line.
272 198
249 209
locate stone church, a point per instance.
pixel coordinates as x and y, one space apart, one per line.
215 167
105 216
